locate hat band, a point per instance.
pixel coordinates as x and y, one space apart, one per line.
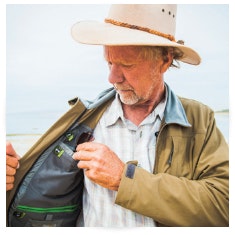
168 36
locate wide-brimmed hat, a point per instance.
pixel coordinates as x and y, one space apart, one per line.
135 24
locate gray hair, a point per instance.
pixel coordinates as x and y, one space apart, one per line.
156 52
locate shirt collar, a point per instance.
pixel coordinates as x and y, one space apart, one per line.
114 112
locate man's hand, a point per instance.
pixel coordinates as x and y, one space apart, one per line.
101 165
12 163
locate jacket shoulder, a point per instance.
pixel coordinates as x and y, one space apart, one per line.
198 114
191 105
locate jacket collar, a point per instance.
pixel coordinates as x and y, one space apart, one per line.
174 111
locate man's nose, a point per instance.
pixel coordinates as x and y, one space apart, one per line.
115 74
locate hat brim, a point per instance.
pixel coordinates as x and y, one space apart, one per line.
97 33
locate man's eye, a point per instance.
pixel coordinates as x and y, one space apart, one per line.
128 66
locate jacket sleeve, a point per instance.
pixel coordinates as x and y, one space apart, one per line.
176 200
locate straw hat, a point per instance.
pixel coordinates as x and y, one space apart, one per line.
135 24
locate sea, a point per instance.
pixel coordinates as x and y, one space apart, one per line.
24 128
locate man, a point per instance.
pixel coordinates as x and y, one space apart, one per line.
154 159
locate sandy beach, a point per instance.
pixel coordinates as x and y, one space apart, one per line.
22 143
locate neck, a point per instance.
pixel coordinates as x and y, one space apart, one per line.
138 112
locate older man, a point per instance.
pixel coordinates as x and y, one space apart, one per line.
154 159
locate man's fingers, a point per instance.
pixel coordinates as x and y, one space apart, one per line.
82 155
9 187
12 161
12 158
83 165
9 182
10 150
10 170
10 179
88 146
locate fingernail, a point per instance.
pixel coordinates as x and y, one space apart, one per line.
74 156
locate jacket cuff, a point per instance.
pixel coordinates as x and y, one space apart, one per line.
127 181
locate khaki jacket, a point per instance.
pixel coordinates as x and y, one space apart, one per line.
189 185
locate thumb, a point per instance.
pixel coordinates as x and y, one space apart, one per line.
11 151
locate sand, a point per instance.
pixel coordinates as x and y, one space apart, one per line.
22 143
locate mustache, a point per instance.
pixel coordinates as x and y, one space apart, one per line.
122 87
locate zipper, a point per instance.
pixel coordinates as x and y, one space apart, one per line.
171 153
71 208
156 157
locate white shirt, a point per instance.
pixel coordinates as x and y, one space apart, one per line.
129 142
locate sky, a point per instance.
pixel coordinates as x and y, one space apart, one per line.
45 67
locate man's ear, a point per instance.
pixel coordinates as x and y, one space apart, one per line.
166 64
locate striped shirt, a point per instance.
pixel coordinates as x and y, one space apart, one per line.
129 142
